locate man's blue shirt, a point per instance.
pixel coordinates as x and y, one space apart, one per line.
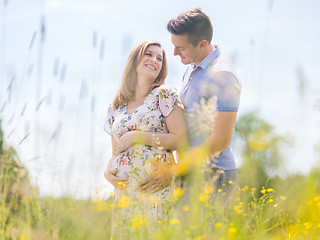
212 81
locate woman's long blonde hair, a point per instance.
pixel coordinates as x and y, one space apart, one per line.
126 91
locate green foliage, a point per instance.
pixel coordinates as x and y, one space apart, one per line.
261 149
263 205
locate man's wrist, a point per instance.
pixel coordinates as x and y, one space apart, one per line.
174 170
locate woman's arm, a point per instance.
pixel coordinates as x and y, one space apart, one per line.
109 174
175 139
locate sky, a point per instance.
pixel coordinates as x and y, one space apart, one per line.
61 62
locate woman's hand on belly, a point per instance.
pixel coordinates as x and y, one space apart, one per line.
117 182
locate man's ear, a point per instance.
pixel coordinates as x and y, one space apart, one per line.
203 43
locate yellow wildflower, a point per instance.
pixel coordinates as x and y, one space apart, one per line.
155 201
207 189
238 208
263 191
276 238
283 198
316 198
269 190
198 238
276 205
174 221
21 236
178 192
308 225
253 189
270 200
218 224
219 190
124 201
244 188
186 208
203 197
101 206
139 221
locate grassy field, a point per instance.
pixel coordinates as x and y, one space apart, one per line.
288 210
261 207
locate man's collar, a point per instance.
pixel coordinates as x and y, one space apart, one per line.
208 59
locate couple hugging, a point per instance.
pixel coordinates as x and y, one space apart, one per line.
147 120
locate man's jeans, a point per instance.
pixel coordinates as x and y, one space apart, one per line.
224 180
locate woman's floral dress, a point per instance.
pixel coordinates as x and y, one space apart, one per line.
135 214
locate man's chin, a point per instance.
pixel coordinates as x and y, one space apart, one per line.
184 61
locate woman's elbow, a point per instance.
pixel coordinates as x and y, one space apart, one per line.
105 174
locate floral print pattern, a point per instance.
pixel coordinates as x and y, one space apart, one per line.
134 164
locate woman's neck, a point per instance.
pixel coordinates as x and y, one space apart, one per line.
142 89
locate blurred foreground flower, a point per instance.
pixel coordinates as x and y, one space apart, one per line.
186 208
202 117
174 221
123 201
139 221
204 197
263 191
208 189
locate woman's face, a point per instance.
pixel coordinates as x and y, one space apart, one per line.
151 63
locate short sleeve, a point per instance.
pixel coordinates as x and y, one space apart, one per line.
168 100
109 120
227 89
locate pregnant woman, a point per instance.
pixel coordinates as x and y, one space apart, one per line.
145 121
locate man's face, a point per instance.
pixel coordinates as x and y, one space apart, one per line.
185 50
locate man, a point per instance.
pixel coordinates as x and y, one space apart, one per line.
207 78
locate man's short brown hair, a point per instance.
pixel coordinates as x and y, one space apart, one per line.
194 23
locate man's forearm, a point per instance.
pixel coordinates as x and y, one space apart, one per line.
210 148
165 141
